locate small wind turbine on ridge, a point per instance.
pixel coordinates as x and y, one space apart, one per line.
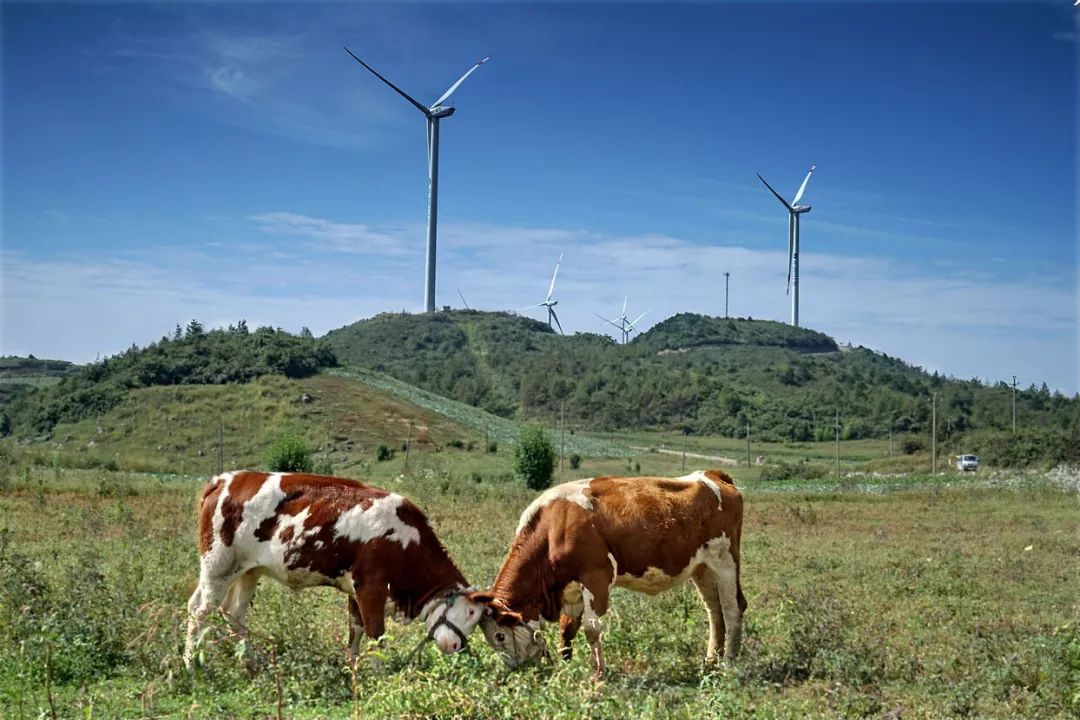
548 302
625 324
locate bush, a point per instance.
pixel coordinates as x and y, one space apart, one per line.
575 461
801 470
534 457
383 453
911 445
492 446
288 454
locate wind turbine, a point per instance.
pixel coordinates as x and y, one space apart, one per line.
433 114
794 211
548 302
625 324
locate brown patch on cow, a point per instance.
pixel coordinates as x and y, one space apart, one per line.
242 488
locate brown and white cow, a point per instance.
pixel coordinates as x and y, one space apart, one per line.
578 540
308 530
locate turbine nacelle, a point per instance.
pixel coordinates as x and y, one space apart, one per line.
440 111
800 209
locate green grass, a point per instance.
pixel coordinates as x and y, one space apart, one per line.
946 601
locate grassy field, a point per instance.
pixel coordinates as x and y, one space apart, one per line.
942 601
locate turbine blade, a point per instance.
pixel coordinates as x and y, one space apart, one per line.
446 95
625 300
531 307
551 289
790 249
774 192
398 90
552 310
609 322
463 299
638 318
802 188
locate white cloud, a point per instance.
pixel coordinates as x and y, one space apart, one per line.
325 274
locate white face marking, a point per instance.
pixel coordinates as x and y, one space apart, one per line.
463 613
572 603
573 491
516 645
701 477
379 520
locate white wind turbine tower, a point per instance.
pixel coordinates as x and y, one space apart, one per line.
436 112
625 324
794 211
548 302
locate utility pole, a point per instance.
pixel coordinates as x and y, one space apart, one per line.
726 276
684 433
747 443
933 433
836 426
1014 404
562 436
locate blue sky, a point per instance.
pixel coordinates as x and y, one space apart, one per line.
163 162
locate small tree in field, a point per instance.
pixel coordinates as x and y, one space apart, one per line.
288 453
534 457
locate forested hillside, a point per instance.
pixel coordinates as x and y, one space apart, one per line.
703 374
192 356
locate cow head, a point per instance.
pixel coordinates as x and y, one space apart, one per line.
453 620
514 639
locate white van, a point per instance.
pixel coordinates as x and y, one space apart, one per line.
967 462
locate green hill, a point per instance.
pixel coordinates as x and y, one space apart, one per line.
707 375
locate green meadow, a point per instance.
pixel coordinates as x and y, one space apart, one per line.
926 597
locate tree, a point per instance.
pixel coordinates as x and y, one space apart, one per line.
534 457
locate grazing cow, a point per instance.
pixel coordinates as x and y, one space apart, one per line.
578 540
308 530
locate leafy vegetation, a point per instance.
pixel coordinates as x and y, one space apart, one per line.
192 356
899 602
709 376
288 453
534 457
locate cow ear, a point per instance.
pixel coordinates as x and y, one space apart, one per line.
480 597
510 618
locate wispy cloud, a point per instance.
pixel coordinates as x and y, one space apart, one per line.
325 274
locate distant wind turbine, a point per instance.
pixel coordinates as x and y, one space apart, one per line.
625 324
548 302
433 114
794 211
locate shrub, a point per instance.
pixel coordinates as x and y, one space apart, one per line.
801 470
288 453
492 446
534 457
575 461
912 445
383 453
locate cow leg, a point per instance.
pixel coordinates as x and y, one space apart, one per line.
732 603
573 605
235 607
707 586
595 587
356 628
207 596
371 601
